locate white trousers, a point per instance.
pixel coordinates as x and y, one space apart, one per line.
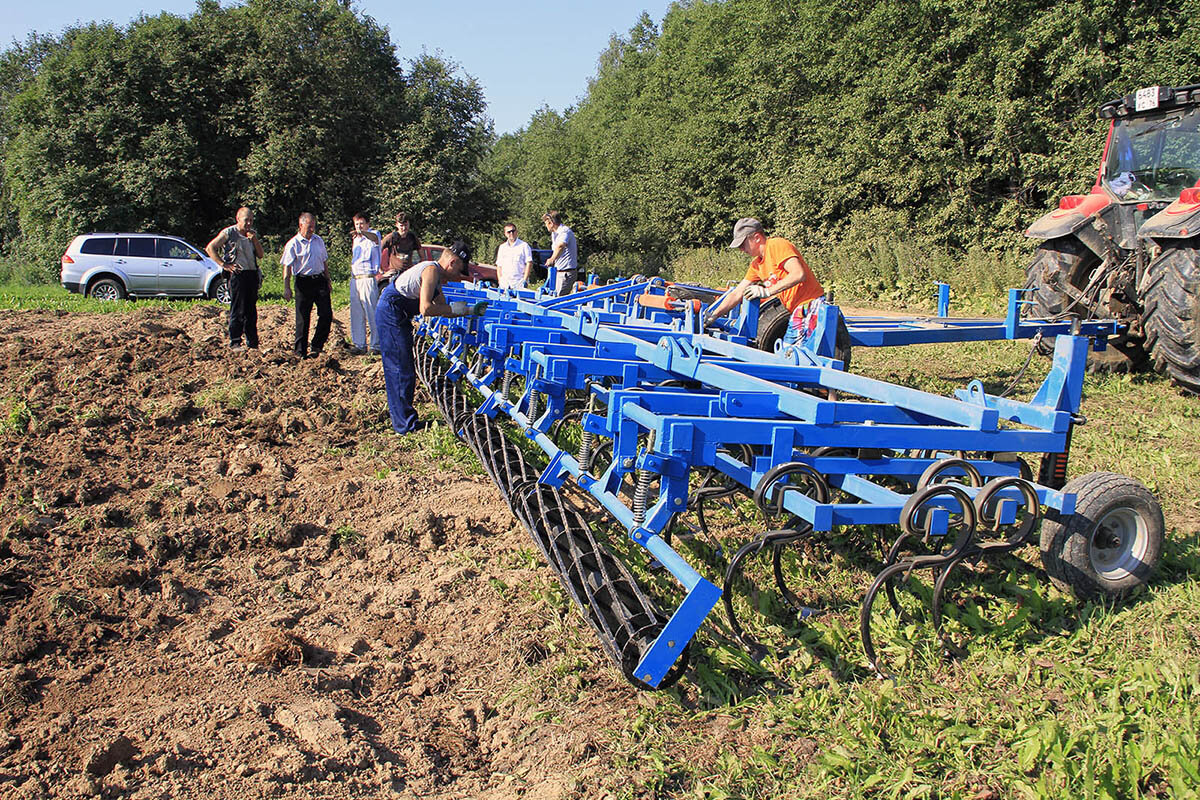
364 296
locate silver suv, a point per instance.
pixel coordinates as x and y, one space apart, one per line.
113 266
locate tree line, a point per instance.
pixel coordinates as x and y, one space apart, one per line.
171 123
943 122
940 121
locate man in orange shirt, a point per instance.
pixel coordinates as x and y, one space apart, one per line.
776 269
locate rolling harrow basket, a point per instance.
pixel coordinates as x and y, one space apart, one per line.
610 411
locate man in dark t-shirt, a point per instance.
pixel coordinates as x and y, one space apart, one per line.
399 249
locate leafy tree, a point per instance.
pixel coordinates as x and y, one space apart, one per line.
434 170
284 105
947 122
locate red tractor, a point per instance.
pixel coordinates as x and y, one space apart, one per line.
1130 250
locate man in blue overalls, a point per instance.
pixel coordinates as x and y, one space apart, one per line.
415 291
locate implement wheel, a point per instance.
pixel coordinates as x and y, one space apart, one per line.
1170 294
1061 267
1111 544
773 321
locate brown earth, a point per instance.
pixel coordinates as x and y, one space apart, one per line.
222 576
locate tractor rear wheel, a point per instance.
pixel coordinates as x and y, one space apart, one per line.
1062 264
1170 296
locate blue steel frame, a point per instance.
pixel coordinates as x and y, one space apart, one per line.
604 341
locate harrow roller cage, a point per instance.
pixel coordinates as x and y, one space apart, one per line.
675 417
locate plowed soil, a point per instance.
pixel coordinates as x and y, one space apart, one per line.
222 576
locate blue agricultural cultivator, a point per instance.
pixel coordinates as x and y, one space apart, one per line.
615 409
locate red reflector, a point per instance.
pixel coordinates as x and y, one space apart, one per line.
66 259
1142 206
1191 195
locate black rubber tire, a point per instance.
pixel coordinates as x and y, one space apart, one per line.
772 325
107 289
1110 509
1170 297
219 290
1068 261
773 321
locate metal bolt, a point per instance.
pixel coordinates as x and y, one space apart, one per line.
671 645
627 462
646 677
678 501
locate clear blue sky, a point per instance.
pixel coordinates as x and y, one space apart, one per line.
524 54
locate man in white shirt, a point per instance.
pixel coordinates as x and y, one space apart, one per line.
514 260
305 257
565 258
364 290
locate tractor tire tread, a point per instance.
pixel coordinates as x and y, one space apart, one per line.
1171 300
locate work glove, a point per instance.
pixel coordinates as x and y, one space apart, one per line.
479 309
459 308
756 291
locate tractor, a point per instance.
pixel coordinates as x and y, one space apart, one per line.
1130 249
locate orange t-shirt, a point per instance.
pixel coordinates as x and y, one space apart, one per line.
770 270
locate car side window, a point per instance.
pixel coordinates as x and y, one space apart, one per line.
122 247
99 246
172 248
142 247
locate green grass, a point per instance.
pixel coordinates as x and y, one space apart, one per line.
20 295
234 395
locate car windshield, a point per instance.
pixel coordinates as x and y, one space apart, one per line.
1154 157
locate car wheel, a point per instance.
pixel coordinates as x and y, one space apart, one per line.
107 289
219 290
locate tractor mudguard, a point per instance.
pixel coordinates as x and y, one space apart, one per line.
1073 212
1180 220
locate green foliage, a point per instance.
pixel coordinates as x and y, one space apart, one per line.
434 171
232 395
950 125
172 123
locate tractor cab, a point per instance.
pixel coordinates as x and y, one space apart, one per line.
1151 156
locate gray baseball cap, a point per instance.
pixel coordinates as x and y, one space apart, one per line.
745 227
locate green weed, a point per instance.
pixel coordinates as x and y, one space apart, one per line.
345 535
232 395
15 416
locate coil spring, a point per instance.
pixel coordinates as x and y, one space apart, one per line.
508 379
641 494
586 441
533 407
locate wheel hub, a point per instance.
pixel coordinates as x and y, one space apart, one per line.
1119 543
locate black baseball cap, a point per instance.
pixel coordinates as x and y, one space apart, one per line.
462 250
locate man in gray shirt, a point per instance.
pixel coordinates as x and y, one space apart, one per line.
237 249
565 257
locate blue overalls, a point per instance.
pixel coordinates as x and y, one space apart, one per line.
393 319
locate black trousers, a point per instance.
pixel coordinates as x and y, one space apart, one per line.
243 307
312 290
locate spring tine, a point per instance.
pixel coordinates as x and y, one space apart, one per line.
731 574
864 623
949 649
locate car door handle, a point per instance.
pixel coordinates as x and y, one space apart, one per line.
166 263
120 261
